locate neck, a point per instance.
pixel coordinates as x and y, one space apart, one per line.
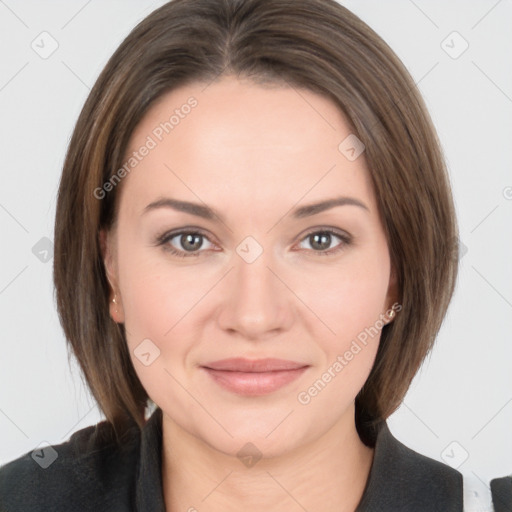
328 474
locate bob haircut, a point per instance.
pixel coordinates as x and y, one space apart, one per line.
317 45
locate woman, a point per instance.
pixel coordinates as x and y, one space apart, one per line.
254 251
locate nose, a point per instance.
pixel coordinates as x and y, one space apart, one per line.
256 302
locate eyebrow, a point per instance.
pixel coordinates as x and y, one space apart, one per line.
209 213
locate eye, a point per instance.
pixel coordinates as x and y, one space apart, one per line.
189 243
320 241
183 243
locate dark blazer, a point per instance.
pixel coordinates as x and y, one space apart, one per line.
501 489
92 473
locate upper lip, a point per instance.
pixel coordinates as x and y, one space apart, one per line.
240 364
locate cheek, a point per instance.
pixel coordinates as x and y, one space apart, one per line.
156 292
158 305
349 297
350 303
349 300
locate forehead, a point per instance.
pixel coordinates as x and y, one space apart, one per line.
264 142
272 114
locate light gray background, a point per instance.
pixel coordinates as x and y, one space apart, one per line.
459 408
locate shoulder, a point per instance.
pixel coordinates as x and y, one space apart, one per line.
90 471
402 479
419 470
501 489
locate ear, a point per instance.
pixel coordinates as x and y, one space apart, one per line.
393 295
108 249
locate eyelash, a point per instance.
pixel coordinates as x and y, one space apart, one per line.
167 236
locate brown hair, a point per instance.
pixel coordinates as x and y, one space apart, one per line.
313 44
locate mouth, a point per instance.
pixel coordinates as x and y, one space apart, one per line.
254 377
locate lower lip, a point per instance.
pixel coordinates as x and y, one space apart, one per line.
254 383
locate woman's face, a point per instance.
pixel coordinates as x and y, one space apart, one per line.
259 278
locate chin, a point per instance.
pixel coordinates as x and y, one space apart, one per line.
251 449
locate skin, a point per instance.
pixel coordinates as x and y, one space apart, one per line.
252 153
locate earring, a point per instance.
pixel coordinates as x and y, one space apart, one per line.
115 302
391 315
116 311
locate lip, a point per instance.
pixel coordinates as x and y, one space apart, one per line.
254 377
241 364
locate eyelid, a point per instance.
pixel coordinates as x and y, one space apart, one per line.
326 229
